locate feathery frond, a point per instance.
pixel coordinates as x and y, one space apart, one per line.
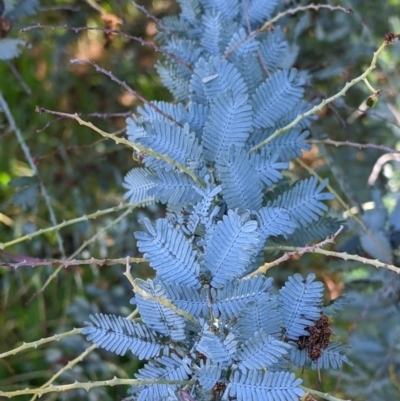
273 48
167 367
332 357
275 221
304 200
267 166
261 350
241 188
208 374
169 253
255 385
174 188
262 315
216 348
229 123
301 302
157 316
235 295
277 96
138 182
230 248
116 334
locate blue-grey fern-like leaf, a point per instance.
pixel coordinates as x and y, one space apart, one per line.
317 230
230 248
201 211
228 124
258 11
301 302
137 183
169 253
116 334
174 188
234 296
166 367
148 113
174 77
275 221
241 187
135 128
212 31
187 298
332 357
10 48
304 201
301 108
197 117
260 351
171 140
228 8
252 72
22 8
157 316
289 145
190 10
243 53
300 358
261 315
336 305
241 46
394 218
277 96
377 245
181 27
26 195
267 166
273 48
184 50
208 374
215 77
216 348
256 385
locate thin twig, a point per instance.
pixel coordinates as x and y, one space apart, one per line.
32 165
72 262
292 11
340 255
19 78
160 300
346 208
68 366
96 115
324 102
112 31
79 250
66 223
154 18
135 146
353 144
379 164
295 252
89 385
61 8
281 15
35 344
125 86
324 396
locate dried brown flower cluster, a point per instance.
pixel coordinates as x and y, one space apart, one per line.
318 339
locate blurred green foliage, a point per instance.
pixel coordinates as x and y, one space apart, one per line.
83 173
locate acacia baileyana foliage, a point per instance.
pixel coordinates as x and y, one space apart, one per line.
204 319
